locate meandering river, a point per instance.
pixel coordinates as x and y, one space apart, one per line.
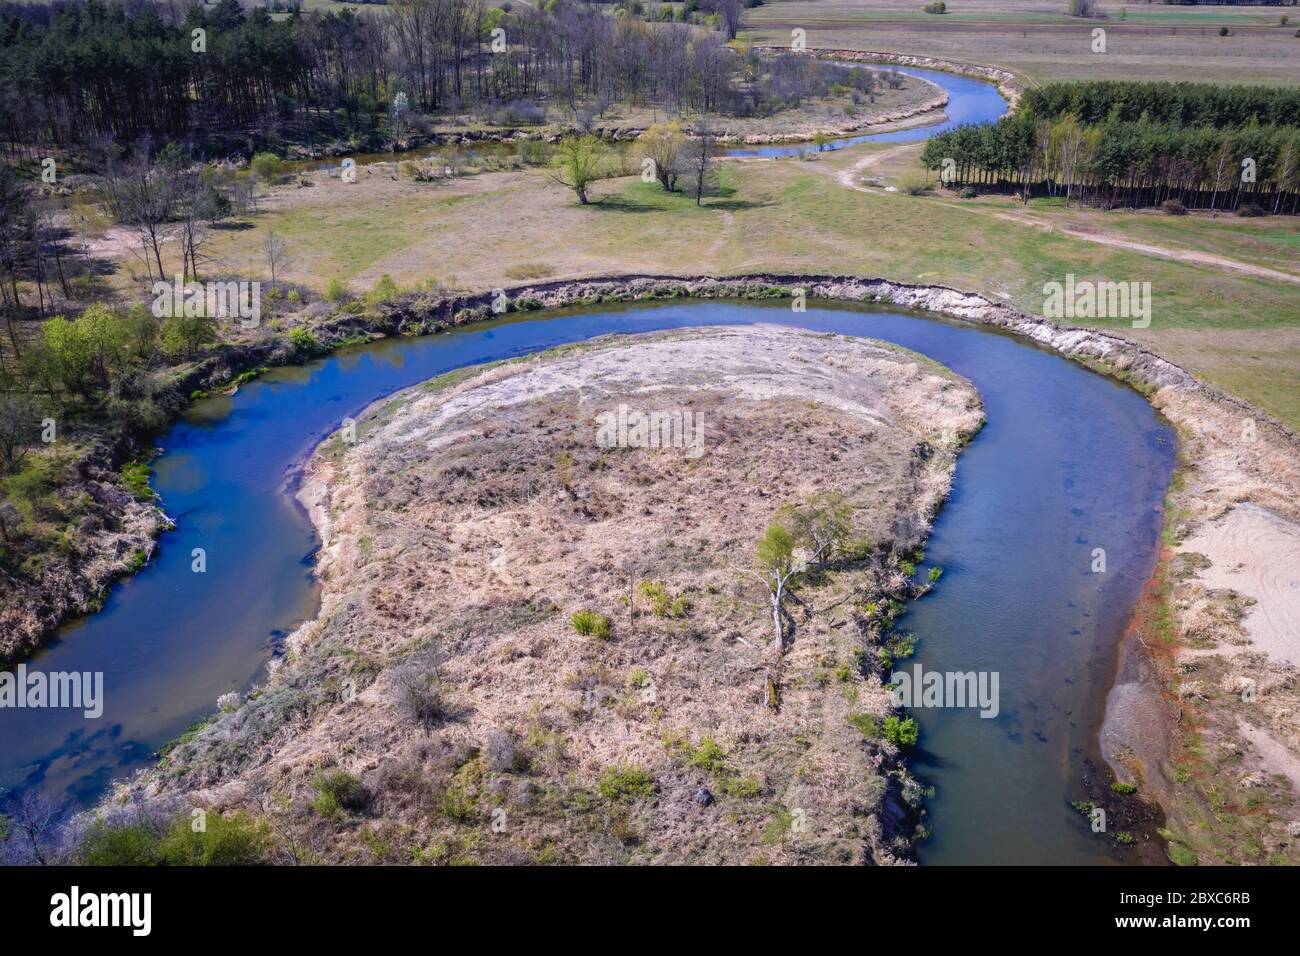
1069 462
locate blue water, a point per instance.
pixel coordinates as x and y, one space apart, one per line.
969 101
1069 461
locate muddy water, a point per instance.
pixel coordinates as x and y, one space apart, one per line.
1068 462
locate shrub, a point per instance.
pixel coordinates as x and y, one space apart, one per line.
914 186
626 783
939 7
235 840
134 845
304 340
135 475
418 695
935 574
1250 210
968 193
1173 207
868 725
267 167
662 604
1124 788
336 290
591 624
1224 32
384 290
336 791
902 731
185 335
708 756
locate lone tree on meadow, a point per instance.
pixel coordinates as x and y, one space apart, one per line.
578 164
701 151
663 145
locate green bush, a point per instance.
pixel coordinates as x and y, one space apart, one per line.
234 840
135 475
935 574
336 290
336 791
625 783
591 624
902 731
304 340
267 167
1124 788
662 604
384 290
868 725
708 756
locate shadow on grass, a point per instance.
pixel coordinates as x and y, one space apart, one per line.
720 199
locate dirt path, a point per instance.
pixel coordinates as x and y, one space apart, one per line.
848 176
1183 255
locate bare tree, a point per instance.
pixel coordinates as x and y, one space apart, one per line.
273 247
141 198
662 144
10 519
18 430
701 151
34 819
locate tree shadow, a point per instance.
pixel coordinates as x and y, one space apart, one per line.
720 199
623 204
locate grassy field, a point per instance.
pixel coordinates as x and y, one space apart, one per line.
1036 40
1235 329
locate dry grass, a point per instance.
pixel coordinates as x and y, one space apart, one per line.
1037 41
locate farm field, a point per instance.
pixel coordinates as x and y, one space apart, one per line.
1040 44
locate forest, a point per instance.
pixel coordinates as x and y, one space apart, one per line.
1180 146
90 72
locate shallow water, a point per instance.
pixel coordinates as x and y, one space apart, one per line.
1069 461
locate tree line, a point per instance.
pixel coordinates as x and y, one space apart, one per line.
1247 169
1182 104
